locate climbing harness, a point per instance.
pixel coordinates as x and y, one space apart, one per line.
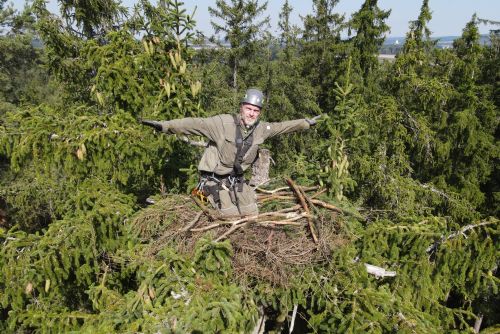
232 182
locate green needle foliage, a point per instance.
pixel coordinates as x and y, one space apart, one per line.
407 149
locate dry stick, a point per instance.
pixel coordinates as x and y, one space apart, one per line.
273 197
228 232
250 219
214 225
291 222
279 193
294 314
268 222
308 188
193 222
326 205
271 192
321 191
304 205
291 209
311 207
477 323
204 208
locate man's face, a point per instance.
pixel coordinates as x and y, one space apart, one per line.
249 114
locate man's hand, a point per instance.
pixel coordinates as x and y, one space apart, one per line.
314 120
154 124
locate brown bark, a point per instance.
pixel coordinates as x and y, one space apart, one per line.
302 201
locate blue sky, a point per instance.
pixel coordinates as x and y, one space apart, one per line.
448 17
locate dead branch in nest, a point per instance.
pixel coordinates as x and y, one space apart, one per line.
255 218
193 222
228 232
291 222
326 205
271 192
316 194
304 205
273 197
291 209
221 223
211 214
279 193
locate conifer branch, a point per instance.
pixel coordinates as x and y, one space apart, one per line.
462 231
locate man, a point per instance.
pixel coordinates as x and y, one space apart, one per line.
233 146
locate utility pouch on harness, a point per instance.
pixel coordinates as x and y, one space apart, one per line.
214 191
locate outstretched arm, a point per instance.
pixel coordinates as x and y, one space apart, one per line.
278 128
154 124
208 127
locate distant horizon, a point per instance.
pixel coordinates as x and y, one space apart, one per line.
442 23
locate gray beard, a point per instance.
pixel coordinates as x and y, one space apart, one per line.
249 124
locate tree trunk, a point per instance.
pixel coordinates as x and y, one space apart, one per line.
235 74
260 168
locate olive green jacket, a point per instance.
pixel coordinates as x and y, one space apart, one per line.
220 152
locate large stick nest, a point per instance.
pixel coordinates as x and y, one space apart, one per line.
293 231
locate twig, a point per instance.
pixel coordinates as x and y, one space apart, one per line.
313 208
291 222
273 197
279 193
271 191
291 209
304 205
378 271
477 323
204 208
193 222
251 219
214 225
326 205
228 232
294 314
321 191
309 188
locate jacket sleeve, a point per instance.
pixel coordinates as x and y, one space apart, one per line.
210 127
278 128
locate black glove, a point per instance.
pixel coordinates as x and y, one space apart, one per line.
314 120
154 124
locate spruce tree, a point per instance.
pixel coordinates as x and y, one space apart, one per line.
288 33
240 28
370 29
406 167
324 54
